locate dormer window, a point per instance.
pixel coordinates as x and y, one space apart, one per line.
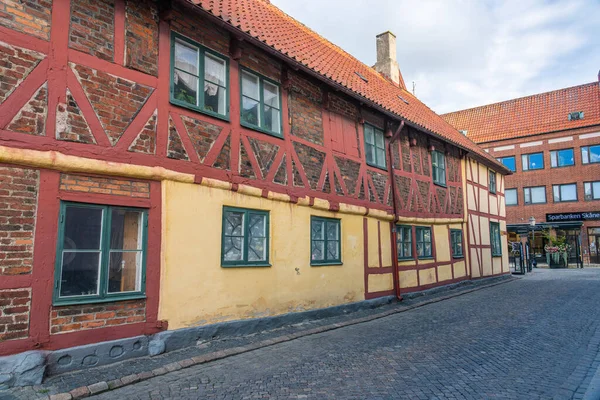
577 115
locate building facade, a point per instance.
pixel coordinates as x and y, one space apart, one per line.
551 142
176 164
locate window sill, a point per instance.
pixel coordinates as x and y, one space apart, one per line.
566 201
406 259
325 264
459 257
377 166
426 258
261 130
496 255
562 166
82 301
533 170
246 265
183 104
535 204
441 185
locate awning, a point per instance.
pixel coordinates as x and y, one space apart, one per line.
539 226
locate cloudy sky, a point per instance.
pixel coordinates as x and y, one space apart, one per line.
465 53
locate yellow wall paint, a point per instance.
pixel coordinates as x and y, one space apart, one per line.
380 282
483 200
497 265
487 261
427 276
408 279
386 244
475 269
196 290
444 272
442 244
373 243
459 269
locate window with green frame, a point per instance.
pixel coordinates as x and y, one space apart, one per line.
438 167
261 103
325 244
492 181
404 242
423 234
199 77
101 253
456 241
374 146
245 238
495 239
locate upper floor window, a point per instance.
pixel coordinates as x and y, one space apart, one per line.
404 242
590 154
562 158
423 242
325 241
535 195
495 239
199 77
101 253
592 190
492 181
511 197
509 162
438 167
374 146
261 103
532 161
245 237
566 192
456 241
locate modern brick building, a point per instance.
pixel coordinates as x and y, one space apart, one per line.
167 165
551 142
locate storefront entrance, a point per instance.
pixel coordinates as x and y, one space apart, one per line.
594 245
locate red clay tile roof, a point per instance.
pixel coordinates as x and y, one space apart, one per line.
532 115
267 23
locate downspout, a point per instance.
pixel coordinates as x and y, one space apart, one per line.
396 269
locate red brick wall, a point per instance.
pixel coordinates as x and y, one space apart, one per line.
27 16
93 27
113 186
141 30
205 33
18 202
260 62
14 313
91 316
15 64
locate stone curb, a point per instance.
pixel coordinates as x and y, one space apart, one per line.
100 387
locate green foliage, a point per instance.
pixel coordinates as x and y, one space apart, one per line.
182 94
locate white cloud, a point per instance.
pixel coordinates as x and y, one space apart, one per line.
464 53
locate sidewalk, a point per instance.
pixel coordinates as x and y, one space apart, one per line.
96 380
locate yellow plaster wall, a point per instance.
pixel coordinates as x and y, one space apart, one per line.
483 200
386 244
427 276
442 242
380 282
408 279
494 205
459 269
373 243
196 290
471 197
484 224
487 261
444 272
497 265
475 266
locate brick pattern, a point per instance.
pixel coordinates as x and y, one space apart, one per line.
92 27
145 142
112 186
281 174
202 134
245 166
297 180
342 106
424 200
18 207
15 64
260 62
349 170
205 33
15 305
265 153
304 87
31 119
141 35
175 147
115 100
405 147
306 118
81 317
224 157
380 181
403 186
27 16
312 162
71 125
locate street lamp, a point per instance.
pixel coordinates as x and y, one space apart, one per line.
532 225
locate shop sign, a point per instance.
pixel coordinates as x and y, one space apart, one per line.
574 216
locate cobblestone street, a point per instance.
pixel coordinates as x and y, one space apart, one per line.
536 339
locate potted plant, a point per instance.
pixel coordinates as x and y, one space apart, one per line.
557 251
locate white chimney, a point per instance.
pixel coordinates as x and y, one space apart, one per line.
386 57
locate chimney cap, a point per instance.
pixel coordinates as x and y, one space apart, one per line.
385 33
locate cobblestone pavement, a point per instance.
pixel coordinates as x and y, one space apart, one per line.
535 338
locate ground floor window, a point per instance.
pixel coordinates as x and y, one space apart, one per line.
101 253
495 239
245 240
404 242
423 242
456 240
325 241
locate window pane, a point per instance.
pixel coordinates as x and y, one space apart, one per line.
407 235
370 153
186 58
587 189
80 272
125 230
565 157
332 231
511 197
524 163
233 248
250 111
83 228
369 134
318 250
527 193
538 195
257 225
553 159
214 69
272 120
234 223
585 155
333 250
536 161
215 98
407 249
556 193
185 88
568 192
427 235
318 230
257 249
420 249
427 250
379 139
419 235
125 271
596 189
380 153
594 154
250 87
509 162
271 94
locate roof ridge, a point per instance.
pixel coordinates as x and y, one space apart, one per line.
516 99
